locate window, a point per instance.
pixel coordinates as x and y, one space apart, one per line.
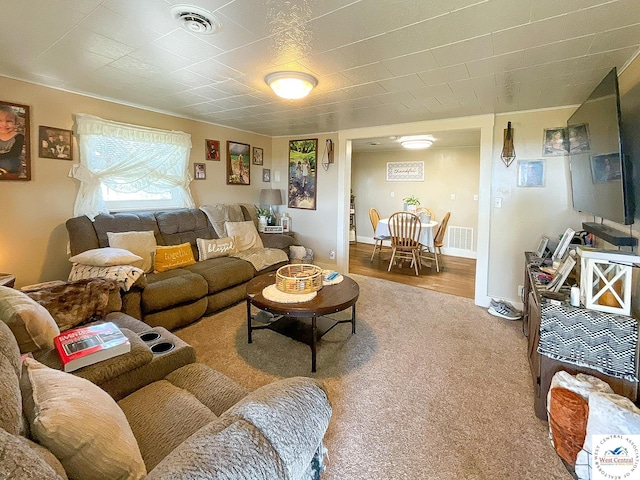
127 167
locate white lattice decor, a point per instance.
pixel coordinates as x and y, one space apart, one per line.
606 280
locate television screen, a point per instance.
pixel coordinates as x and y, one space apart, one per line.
598 179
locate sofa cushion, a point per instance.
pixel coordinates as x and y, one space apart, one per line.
172 288
20 461
32 325
107 257
183 225
157 424
215 247
174 256
222 273
80 424
142 244
246 234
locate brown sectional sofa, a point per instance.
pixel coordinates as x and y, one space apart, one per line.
175 298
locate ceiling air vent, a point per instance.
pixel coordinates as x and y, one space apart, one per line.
196 19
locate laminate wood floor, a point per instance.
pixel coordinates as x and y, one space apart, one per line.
456 277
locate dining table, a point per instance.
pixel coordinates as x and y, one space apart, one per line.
426 231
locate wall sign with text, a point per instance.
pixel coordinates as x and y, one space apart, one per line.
405 171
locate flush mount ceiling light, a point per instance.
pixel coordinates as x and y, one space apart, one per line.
416 143
291 85
196 19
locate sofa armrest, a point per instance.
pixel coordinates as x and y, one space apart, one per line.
274 432
277 240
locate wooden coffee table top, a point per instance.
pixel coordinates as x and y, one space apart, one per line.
330 298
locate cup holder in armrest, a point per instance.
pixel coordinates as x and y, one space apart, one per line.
149 336
162 347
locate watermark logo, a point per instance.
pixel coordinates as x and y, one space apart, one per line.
615 457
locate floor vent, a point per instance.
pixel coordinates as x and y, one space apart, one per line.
460 238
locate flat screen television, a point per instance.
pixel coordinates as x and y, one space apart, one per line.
601 175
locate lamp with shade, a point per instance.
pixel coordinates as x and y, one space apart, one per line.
271 197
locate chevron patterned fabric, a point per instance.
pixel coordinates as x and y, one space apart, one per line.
589 338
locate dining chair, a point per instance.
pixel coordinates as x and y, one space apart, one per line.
438 240
404 228
425 210
374 216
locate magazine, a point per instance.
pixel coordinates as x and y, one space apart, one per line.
84 346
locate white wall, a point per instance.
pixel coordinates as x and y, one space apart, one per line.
448 171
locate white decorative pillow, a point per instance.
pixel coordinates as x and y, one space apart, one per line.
125 275
142 244
31 323
80 424
246 234
107 257
215 247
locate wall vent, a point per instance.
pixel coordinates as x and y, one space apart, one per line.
460 238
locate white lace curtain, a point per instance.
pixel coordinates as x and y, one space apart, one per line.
128 159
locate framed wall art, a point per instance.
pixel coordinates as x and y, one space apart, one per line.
257 156
55 143
266 175
238 163
199 171
531 173
212 149
555 142
302 173
15 141
405 171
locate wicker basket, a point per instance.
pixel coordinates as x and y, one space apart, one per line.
299 278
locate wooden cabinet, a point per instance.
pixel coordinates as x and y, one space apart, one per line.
544 368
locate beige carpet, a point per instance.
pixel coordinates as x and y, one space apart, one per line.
430 387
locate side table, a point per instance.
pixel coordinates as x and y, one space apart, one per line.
7 280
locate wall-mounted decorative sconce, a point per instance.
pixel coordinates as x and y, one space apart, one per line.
327 158
508 154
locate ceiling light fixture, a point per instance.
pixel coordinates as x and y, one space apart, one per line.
416 143
291 85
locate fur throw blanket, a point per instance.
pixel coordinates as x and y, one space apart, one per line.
73 303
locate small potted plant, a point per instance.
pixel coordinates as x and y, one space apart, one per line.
412 203
264 216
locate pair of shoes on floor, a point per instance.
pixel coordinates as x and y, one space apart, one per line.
502 309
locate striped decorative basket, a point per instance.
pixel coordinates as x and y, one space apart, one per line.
299 278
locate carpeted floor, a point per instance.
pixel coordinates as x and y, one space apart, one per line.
430 387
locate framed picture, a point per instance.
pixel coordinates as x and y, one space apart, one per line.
238 163
55 143
15 134
199 171
302 173
257 156
579 141
531 173
266 175
606 168
405 171
212 149
555 142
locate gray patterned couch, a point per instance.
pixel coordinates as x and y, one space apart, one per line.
175 298
195 423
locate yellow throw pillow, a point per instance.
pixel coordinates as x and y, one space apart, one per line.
174 256
246 234
216 247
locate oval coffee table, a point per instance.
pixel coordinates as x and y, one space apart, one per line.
306 322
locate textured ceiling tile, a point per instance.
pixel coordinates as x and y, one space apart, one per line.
614 39
495 15
187 45
95 43
367 73
531 35
431 91
119 28
444 74
406 82
411 63
153 13
497 63
214 71
559 51
467 50
541 9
